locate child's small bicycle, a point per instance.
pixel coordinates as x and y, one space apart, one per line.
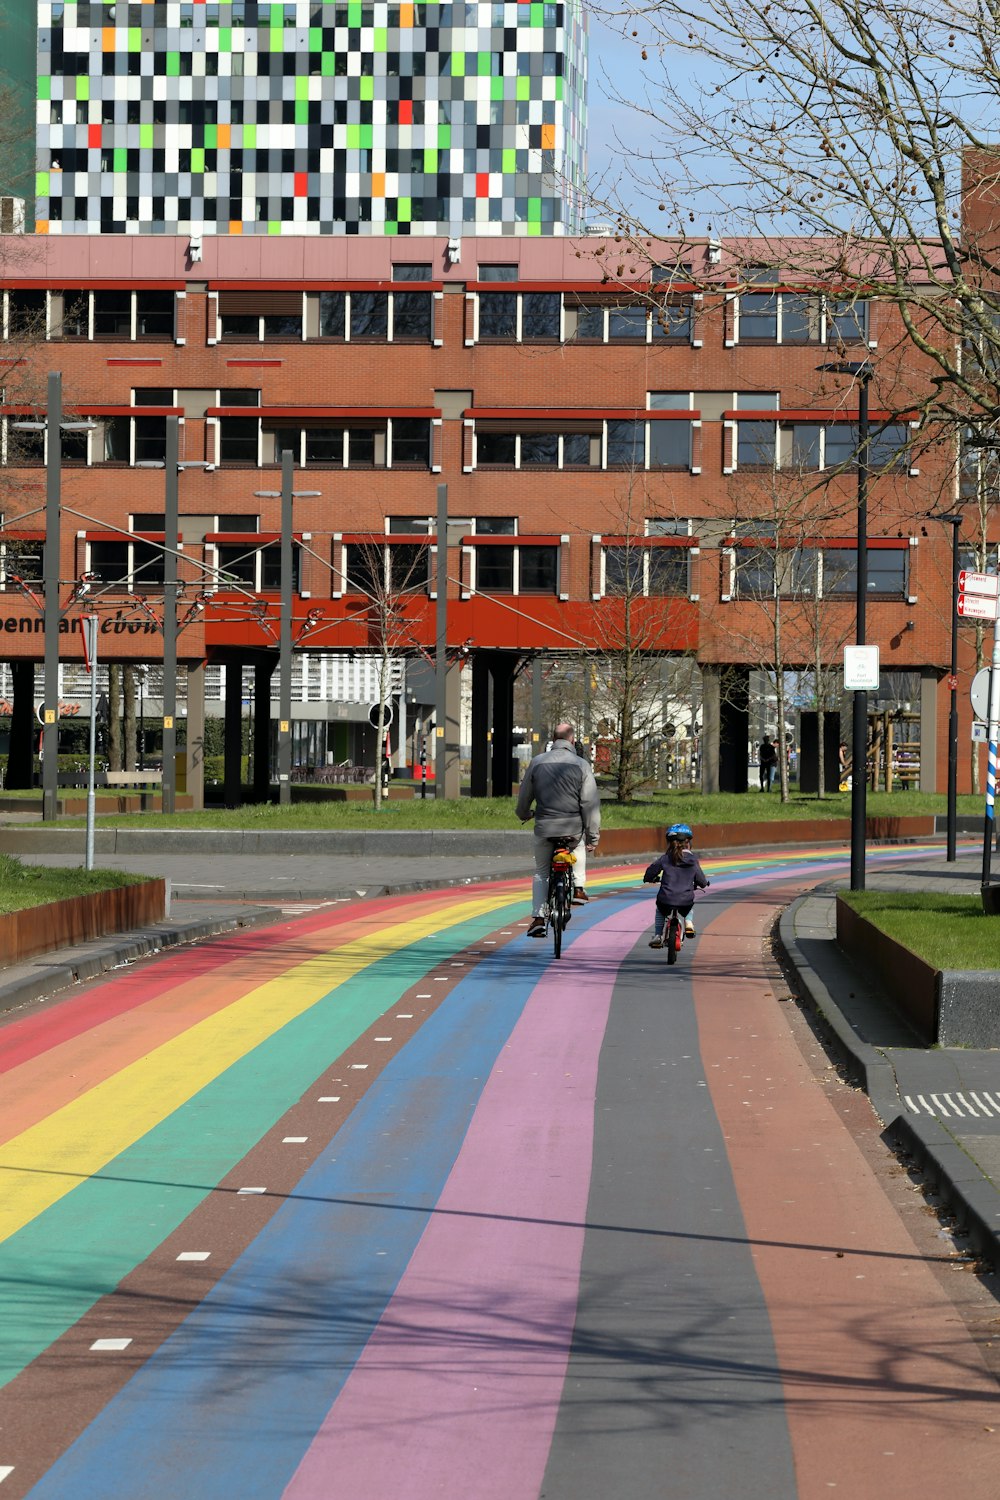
674 935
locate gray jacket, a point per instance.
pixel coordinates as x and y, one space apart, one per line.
563 789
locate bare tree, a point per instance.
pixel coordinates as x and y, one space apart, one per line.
854 142
646 587
782 585
389 577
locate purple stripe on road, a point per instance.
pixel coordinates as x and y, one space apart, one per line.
457 1390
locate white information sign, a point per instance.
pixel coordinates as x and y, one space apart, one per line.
978 583
860 668
980 734
977 607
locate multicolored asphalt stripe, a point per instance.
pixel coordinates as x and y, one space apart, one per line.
228 1176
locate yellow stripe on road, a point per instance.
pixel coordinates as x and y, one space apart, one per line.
46 1162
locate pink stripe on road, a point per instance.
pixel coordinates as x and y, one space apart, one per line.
457 1391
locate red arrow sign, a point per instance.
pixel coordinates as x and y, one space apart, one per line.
977 607
978 583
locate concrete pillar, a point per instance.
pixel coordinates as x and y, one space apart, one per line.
734 729
452 731
928 730
503 667
263 672
538 728
711 687
23 727
196 734
232 790
480 724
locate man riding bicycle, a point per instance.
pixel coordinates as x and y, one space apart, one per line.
566 806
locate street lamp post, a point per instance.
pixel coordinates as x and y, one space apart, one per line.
286 495
955 522
441 646
861 371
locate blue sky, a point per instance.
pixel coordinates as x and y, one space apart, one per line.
615 68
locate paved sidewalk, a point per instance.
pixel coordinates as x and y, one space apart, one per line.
940 1104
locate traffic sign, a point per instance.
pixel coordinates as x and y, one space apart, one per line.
979 692
977 607
978 583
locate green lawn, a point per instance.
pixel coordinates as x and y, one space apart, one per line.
498 812
950 932
22 885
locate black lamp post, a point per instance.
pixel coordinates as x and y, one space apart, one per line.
861 371
955 522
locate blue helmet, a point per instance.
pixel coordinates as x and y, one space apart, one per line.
679 831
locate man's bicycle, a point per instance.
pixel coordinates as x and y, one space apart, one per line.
561 887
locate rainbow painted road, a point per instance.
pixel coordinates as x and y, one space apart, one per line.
384 1203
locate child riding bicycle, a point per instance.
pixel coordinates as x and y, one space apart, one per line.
678 873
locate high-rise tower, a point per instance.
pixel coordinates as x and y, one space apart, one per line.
310 117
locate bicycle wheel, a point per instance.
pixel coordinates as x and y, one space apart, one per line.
673 939
558 914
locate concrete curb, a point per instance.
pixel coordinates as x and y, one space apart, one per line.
867 1066
973 1197
969 1193
100 957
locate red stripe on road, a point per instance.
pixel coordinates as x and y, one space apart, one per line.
884 1396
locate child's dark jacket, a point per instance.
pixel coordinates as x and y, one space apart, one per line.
677 882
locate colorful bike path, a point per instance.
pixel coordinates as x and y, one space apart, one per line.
389 1203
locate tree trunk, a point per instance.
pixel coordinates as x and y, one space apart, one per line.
114 717
129 720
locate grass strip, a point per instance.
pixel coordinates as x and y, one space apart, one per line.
949 932
497 813
23 886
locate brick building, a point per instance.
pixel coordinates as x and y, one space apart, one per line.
624 450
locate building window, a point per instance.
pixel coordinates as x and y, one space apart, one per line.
497 315
538 569
674 320
670 445
755 445
633 569
333 315
154 315
498 272
150 439
754 572
628 320
625 445
887 571
26 314
412 316
495 570
411 443
541 315
497 448
846 321
238 440
22 560
409 567
110 562
260 315
369 315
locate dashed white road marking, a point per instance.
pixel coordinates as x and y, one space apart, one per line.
241 1191
425 997
194 1255
110 1346
294 1140
383 1038
328 1099
404 1015
360 1067
441 979
6 1470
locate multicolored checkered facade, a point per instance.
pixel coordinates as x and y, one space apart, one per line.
250 117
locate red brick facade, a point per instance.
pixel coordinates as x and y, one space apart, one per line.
618 466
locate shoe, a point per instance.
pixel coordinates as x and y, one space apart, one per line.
580 897
537 927
656 942
689 930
